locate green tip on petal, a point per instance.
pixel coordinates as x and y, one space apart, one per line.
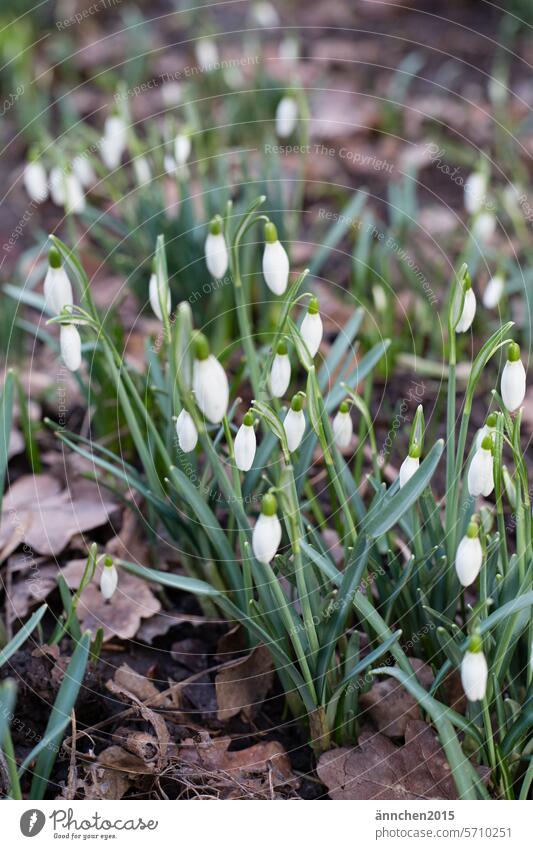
271 233
269 507
475 644
281 349
492 420
467 281
248 419
215 227
108 561
487 443
297 403
513 352
54 258
415 451
201 347
313 307
344 407
473 530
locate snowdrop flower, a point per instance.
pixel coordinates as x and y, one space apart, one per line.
70 345
66 190
113 142
206 53
57 186
83 170
469 305
469 556
484 226
159 294
289 51
513 383
265 15
266 536
343 426
108 578
280 373
216 252
143 172
186 431
169 164
493 292
474 670
275 261
35 181
312 328
182 149
245 444
171 93
481 471
294 423
57 286
409 466
209 382
475 192
286 117
487 430
513 194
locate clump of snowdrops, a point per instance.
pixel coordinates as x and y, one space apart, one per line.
231 485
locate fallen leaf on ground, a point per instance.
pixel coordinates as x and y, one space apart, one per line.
242 685
390 705
213 754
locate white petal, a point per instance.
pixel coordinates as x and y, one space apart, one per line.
468 313
216 255
280 375
157 298
74 197
169 164
70 344
294 425
342 429
35 181
475 193
408 468
245 447
286 117
276 267
481 474
474 674
468 560
111 152
493 292
312 331
513 385
182 149
57 290
115 128
84 171
210 386
266 538
187 433
108 581
142 170
484 226
57 186
206 52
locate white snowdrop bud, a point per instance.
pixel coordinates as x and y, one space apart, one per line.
512 196
343 426
409 466
83 170
280 373
481 472
312 328
70 344
159 294
206 52
57 286
475 192
57 186
493 292
469 305
169 164
245 444
143 172
108 578
294 423
266 536
209 382
275 261
182 149
469 556
186 431
286 117
487 430
35 181
513 383
113 142
474 670
216 252
264 14
483 227
171 93
74 196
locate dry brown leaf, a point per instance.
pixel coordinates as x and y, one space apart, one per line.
213 754
241 686
390 705
132 681
144 690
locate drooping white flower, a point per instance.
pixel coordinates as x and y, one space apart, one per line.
266 536
493 292
513 383
481 472
143 172
182 149
245 444
216 251
264 14
312 328
171 93
483 227
469 556
475 192
57 186
408 468
66 190
469 307
70 345
487 430
474 670
169 164
294 423
206 52
275 261
186 431
343 426
113 142
209 382
35 181
280 373
159 294
108 579
83 170
512 196
286 117
57 286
